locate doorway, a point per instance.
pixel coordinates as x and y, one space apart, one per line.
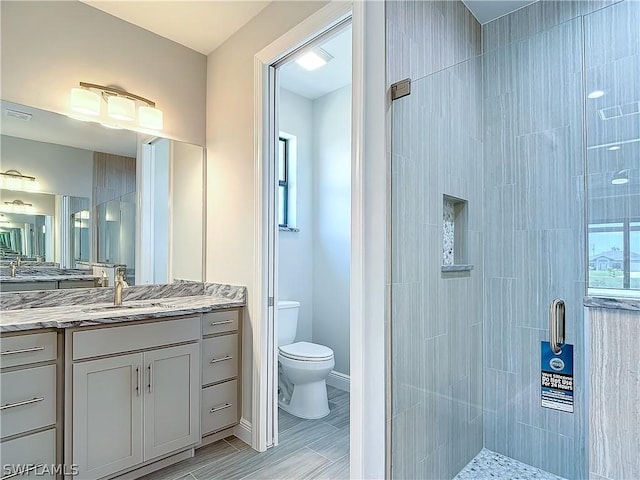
312 212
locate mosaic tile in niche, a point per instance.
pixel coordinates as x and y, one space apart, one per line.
448 232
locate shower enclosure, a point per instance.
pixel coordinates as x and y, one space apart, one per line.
501 166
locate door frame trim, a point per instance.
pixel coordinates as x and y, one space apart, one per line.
368 286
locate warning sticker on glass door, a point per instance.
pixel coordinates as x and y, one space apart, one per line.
556 378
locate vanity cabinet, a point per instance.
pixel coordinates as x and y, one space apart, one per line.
221 360
132 408
28 404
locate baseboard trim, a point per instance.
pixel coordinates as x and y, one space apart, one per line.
339 380
243 431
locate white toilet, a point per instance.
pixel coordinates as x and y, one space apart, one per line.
303 368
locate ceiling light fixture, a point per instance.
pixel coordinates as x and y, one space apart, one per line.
14 180
314 59
595 94
121 106
620 178
614 148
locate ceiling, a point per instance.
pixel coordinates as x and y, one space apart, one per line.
328 78
203 25
200 25
50 127
488 10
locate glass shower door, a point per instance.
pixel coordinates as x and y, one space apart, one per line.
437 274
487 230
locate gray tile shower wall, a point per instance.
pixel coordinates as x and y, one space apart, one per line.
426 37
534 220
535 18
436 317
614 367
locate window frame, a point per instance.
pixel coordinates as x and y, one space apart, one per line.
283 143
626 230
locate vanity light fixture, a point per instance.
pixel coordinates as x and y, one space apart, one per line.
121 107
314 59
14 180
85 101
19 206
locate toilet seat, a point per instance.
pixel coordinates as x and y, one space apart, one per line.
306 352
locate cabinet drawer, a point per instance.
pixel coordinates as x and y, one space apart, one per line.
65 284
23 286
219 406
219 358
109 341
219 322
29 348
28 399
33 450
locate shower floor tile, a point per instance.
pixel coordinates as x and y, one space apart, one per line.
491 465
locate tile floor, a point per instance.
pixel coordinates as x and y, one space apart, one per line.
492 465
308 449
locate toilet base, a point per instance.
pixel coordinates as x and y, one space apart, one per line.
308 401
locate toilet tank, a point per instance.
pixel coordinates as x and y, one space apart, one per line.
287 321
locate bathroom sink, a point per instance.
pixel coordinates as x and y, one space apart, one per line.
128 307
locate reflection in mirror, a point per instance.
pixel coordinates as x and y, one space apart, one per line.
93 179
80 238
24 235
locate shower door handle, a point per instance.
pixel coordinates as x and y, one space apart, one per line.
556 325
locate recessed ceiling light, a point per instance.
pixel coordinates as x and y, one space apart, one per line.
596 94
615 147
620 178
314 59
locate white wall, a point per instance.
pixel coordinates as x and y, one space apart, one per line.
332 223
60 170
230 143
48 47
295 268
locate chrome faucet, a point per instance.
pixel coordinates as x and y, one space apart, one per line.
18 261
12 269
120 285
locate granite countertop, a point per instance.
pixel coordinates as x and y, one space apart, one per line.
631 304
46 278
79 309
45 274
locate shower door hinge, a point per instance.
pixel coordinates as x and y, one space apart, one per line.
270 301
401 89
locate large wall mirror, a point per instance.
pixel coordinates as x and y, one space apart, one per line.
88 195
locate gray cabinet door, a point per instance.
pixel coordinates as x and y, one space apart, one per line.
107 415
172 399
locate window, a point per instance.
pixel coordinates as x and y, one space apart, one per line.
614 255
283 182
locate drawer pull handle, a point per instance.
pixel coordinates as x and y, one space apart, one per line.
23 350
224 322
216 360
19 404
217 409
22 472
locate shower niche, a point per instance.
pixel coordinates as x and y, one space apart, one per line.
455 232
